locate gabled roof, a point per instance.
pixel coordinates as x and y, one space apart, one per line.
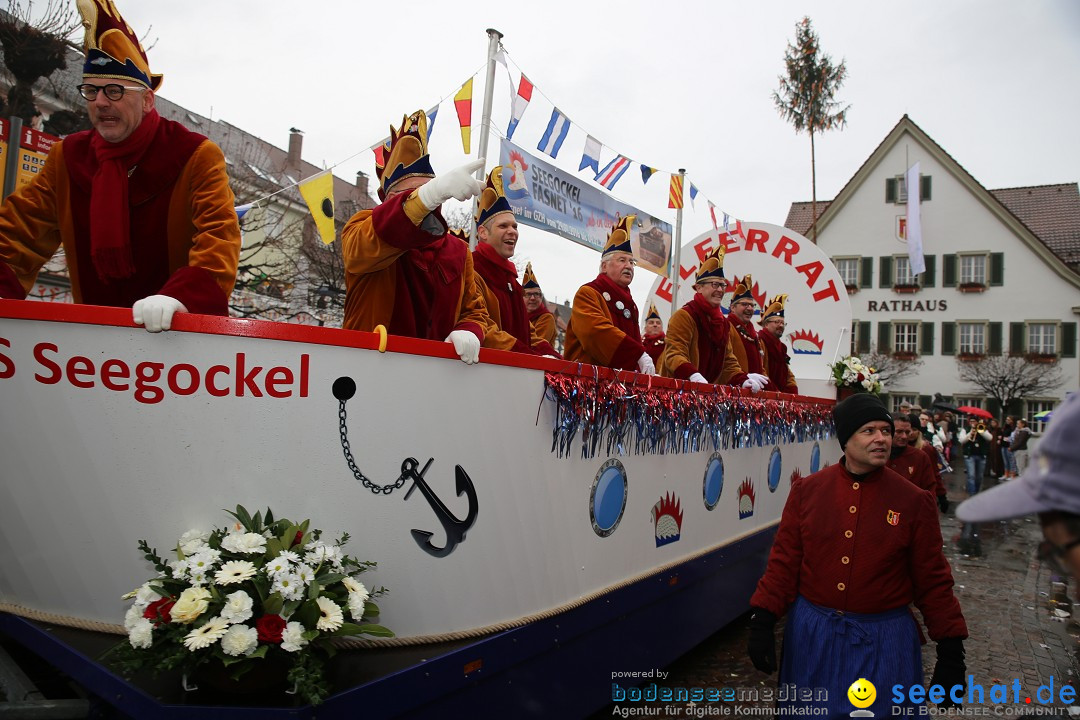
1045 217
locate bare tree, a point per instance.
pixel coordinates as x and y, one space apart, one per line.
1007 378
807 93
890 369
34 51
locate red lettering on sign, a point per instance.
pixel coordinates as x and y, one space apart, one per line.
305 360
663 291
702 248
278 376
108 374
146 374
812 271
247 379
7 367
77 366
39 351
730 244
786 247
829 292
211 386
758 238
174 377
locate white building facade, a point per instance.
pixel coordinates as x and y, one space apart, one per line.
1001 271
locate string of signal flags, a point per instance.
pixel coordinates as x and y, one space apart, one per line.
317 190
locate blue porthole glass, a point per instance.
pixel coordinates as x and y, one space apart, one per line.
774 469
815 458
713 483
608 500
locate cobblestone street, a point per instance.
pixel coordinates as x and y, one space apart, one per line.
1006 596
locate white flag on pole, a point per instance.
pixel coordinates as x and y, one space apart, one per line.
913 231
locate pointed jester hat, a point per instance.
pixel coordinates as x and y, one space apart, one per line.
405 155
653 314
492 200
619 238
712 267
112 49
528 280
775 308
742 290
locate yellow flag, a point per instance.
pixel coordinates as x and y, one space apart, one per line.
318 192
463 104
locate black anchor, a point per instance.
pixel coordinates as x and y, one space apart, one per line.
344 388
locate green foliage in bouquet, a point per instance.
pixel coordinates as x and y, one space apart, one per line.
260 591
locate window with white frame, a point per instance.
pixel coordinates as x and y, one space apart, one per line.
903 271
969 400
972 338
973 269
854 338
1042 338
898 400
1033 408
848 269
906 337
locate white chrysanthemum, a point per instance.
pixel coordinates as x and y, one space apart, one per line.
204 560
331 616
140 634
277 566
306 573
320 553
179 569
192 541
132 616
197 578
288 556
237 608
357 601
234 571
206 635
289 585
145 595
244 543
292 638
240 640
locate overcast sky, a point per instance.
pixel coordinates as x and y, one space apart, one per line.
669 84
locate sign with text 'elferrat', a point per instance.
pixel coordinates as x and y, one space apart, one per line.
545 197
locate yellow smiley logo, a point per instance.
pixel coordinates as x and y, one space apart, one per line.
862 693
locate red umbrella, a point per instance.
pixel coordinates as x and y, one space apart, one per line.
977 412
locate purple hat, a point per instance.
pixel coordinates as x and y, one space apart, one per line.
1051 481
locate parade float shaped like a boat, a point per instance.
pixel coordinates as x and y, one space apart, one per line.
572 525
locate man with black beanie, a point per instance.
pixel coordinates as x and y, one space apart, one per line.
857 544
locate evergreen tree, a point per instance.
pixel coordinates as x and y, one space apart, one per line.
807 95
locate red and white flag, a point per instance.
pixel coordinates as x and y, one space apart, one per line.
521 101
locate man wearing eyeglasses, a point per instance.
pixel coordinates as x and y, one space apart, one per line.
540 318
603 328
699 339
141 205
777 361
747 346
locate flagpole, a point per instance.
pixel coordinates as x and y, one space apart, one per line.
676 261
494 38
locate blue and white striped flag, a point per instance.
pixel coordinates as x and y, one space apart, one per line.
693 194
613 171
431 114
555 133
591 156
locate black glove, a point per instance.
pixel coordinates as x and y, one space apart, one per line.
943 503
950 668
762 645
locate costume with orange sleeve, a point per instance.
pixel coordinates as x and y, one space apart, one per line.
777 362
699 341
603 328
543 324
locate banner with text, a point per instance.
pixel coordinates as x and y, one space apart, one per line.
545 197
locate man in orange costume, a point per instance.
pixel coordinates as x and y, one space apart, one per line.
141 205
653 338
700 340
777 361
603 327
403 269
496 275
748 348
541 319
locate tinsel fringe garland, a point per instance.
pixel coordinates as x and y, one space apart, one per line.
618 418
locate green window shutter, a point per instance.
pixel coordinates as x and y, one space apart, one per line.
866 272
930 276
862 343
997 269
924 187
993 347
948 338
1068 340
926 338
1016 338
890 190
948 272
993 407
884 337
925 401
885 276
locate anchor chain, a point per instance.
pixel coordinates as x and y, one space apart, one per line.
373 487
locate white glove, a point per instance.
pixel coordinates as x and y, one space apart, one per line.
698 377
459 184
645 365
466 345
156 312
755 381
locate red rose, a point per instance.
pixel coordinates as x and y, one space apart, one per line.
297 539
860 378
159 607
270 628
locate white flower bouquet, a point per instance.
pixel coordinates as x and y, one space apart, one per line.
243 596
851 373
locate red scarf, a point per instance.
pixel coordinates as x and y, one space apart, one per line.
778 359
712 343
501 278
110 231
617 293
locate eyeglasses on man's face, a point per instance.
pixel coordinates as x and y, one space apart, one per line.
113 91
713 285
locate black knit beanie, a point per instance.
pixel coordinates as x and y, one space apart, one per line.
852 413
